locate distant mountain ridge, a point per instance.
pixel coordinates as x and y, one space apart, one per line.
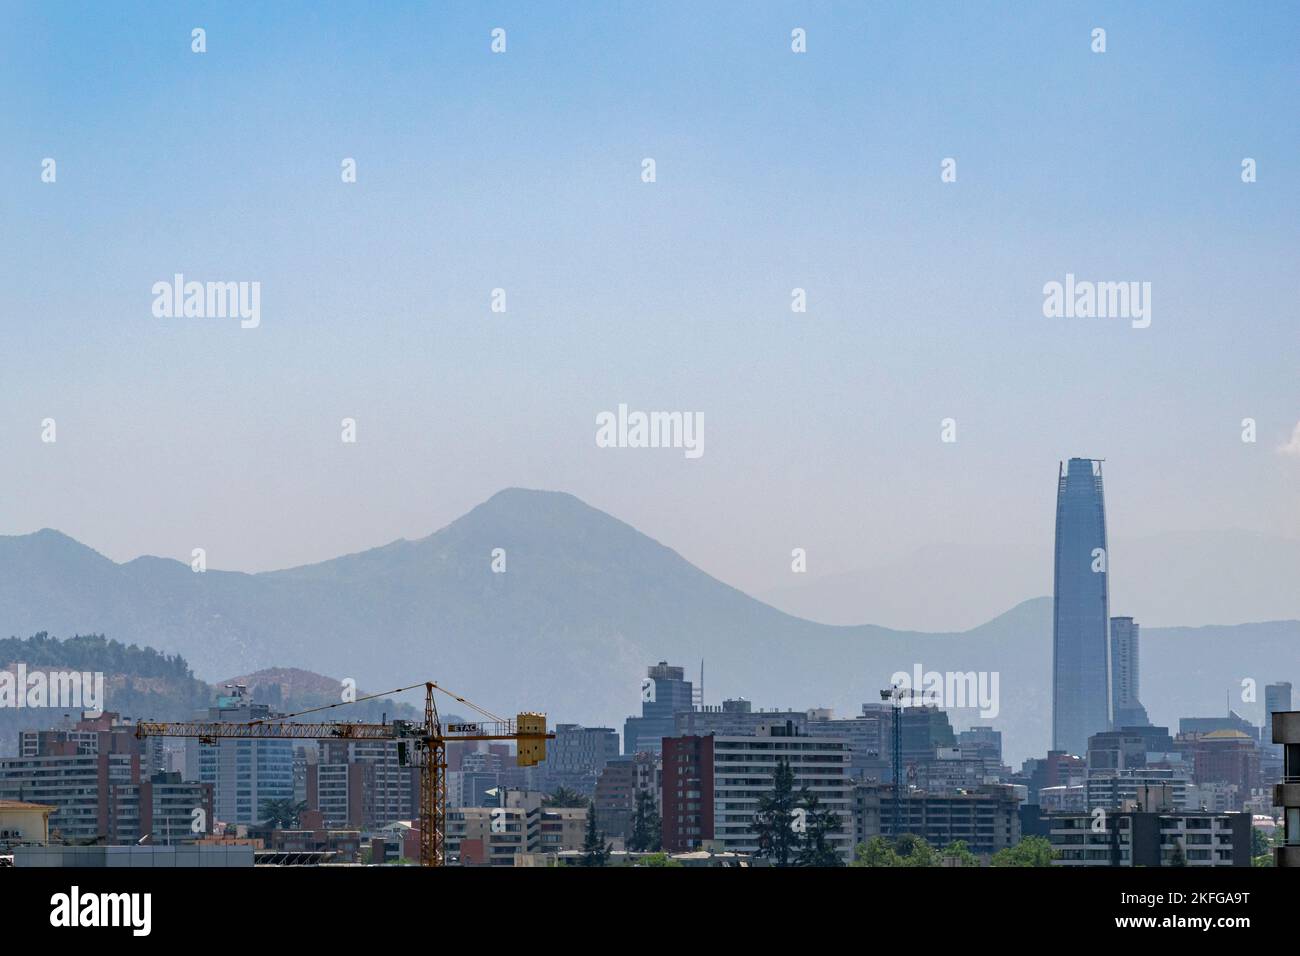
585 604
1167 580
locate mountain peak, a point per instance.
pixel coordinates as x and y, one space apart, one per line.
48 542
52 535
533 500
555 518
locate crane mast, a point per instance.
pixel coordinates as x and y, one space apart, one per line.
527 730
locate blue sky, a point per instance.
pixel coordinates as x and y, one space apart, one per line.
521 171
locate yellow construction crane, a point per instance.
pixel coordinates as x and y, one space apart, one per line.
527 730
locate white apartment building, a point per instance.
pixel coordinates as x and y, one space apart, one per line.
744 769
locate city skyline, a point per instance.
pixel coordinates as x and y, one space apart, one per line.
511 563
407 406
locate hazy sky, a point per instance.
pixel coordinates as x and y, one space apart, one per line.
522 171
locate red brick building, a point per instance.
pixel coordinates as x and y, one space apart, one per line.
687 792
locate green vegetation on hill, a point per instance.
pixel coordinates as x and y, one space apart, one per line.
92 652
141 682
138 681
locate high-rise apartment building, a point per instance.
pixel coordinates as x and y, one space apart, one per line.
80 787
1170 837
362 784
987 817
1125 674
868 738
244 773
106 732
712 785
1285 732
104 783
105 797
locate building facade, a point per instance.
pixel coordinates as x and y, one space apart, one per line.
1125 673
362 784
1277 699
1286 793
574 759
664 693
105 797
743 771
496 836
735 717
687 792
244 773
23 824
987 818
1141 838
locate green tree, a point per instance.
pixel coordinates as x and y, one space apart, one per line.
913 850
1259 842
774 821
595 851
875 852
1031 851
819 823
960 851
564 797
1261 848
658 859
647 832
1178 857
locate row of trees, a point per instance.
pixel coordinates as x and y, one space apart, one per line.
912 850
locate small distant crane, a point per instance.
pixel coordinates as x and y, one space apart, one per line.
895 695
527 730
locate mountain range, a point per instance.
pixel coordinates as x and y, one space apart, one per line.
584 604
1163 580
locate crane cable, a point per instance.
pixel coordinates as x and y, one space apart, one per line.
312 710
343 703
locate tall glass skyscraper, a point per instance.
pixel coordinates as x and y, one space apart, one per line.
1080 609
